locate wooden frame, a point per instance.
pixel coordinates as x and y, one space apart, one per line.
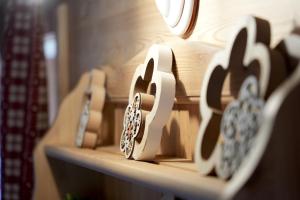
179 15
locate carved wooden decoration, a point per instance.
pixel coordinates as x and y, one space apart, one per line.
247 54
273 164
179 15
134 121
239 125
151 99
63 132
91 116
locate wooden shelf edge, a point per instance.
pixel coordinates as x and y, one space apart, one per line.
177 176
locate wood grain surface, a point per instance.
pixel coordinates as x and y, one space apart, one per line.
158 175
111 32
115 35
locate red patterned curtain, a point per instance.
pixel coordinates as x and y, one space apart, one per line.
23 97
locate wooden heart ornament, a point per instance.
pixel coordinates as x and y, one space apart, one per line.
248 53
91 116
179 15
151 99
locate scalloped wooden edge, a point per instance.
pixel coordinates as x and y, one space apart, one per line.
271 111
257 48
96 103
164 80
62 132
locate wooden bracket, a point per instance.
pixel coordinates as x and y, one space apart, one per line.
154 78
63 132
179 15
247 54
91 116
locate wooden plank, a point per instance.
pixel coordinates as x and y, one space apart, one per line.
113 35
160 175
171 132
191 62
112 31
118 123
83 183
216 18
63 50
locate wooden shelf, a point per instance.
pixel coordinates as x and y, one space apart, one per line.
175 175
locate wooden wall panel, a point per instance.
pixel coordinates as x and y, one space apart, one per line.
116 34
63 50
217 17
113 31
179 134
190 62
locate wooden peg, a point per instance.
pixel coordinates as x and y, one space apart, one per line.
147 101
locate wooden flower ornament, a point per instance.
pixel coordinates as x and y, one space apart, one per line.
151 99
247 54
91 116
273 163
240 123
179 15
134 119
